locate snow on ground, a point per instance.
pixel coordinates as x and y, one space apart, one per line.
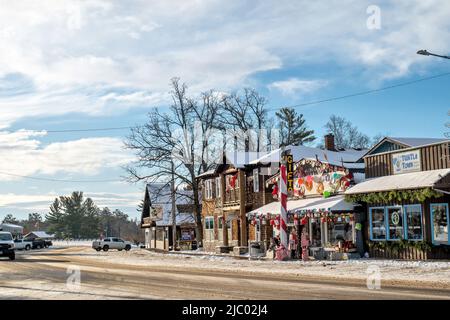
433 273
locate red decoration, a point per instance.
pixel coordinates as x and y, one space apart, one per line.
233 181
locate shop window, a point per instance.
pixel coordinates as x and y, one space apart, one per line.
413 222
316 233
439 218
395 223
341 230
377 224
258 230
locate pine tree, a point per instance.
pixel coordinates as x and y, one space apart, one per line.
293 130
55 219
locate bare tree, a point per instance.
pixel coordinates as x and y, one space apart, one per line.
242 113
346 135
167 146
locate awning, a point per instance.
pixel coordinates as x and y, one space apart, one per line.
336 203
415 180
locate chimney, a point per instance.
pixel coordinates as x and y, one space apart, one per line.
329 142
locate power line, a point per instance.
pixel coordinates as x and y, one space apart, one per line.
402 84
57 180
366 92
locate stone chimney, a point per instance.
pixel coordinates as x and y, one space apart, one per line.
329 142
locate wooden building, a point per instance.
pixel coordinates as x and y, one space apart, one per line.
228 192
407 196
156 218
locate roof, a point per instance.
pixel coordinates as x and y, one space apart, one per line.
10 226
39 234
159 195
417 142
207 173
336 203
338 158
406 143
415 180
241 158
180 218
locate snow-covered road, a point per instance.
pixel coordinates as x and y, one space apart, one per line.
49 274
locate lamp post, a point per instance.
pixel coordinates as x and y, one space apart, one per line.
426 53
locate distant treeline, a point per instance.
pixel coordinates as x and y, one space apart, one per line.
79 218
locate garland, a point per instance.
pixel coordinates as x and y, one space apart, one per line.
396 246
394 196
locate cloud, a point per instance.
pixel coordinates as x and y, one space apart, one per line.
294 86
21 153
60 57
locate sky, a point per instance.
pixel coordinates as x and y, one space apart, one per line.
100 64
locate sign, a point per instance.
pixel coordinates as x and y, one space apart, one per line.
406 162
289 159
156 212
395 218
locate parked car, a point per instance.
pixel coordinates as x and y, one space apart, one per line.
38 243
7 248
111 243
48 243
21 244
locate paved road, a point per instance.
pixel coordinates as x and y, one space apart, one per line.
43 275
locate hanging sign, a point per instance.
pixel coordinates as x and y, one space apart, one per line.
406 162
289 159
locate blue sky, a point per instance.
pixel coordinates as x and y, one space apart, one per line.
74 65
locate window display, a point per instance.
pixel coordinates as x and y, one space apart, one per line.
395 222
413 216
439 214
378 224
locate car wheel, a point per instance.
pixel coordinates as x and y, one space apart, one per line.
105 248
128 248
12 256
120 249
98 249
27 248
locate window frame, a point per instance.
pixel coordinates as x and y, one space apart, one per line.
371 225
432 224
256 187
208 220
406 225
218 187
386 219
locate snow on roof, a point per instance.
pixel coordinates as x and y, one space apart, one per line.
241 158
304 152
415 180
181 218
207 173
417 142
39 234
336 203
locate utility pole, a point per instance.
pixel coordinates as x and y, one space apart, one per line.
174 218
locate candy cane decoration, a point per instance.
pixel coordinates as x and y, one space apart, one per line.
283 218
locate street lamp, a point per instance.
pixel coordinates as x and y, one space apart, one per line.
426 53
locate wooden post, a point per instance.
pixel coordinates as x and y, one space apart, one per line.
242 194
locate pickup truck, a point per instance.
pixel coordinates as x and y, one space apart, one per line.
7 245
111 243
21 244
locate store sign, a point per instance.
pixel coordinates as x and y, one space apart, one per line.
406 162
395 218
289 159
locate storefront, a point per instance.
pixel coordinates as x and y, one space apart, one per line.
330 224
407 203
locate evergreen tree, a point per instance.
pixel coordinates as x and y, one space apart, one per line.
55 219
293 130
9 218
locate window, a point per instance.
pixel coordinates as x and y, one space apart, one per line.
395 223
220 222
439 218
377 224
218 187
209 189
209 223
255 180
413 222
